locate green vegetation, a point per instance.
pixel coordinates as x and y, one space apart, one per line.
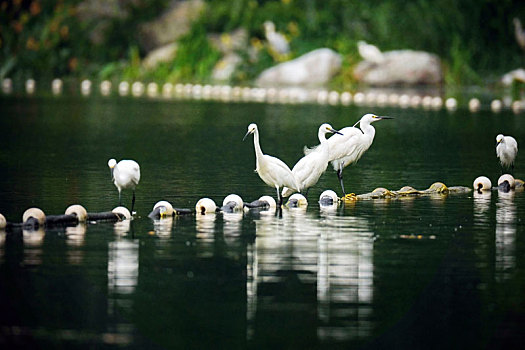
46 39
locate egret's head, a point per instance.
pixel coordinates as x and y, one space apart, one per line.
269 26
251 129
327 128
111 163
499 139
370 118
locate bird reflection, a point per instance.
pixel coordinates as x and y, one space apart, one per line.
329 260
506 218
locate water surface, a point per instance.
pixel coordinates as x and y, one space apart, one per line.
430 272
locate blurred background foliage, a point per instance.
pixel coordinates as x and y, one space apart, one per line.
48 39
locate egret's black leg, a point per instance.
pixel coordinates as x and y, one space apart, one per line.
133 203
119 198
340 176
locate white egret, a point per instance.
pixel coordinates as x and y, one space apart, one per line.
125 174
273 171
348 148
369 52
276 40
309 168
519 33
506 150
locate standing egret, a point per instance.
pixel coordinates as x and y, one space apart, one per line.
369 52
309 168
277 41
348 148
125 174
273 171
506 150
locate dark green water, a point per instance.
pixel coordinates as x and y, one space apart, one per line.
430 272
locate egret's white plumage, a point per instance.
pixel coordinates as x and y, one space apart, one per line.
349 148
125 174
277 41
506 150
309 168
273 171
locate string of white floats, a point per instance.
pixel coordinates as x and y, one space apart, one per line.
289 95
34 218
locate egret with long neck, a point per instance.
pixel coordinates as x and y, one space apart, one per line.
309 168
350 147
273 171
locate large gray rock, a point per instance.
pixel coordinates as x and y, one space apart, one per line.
314 68
171 25
405 67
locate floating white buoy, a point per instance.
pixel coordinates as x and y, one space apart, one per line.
7 86
322 97
3 222
437 102
56 86
152 89
517 107
371 98
205 206
474 105
35 213
137 89
232 202
30 86
328 198
507 178
270 200
415 101
359 98
297 200
85 87
346 98
165 209
393 99
123 88
167 90
78 210
382 99
496 105
123 212
105 88
426 102
333 98
482 183
404 101
206 91
451 104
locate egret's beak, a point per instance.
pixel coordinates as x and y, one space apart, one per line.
385 117
335 131
248 133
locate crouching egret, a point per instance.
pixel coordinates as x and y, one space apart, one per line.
506 150
309 168
349 148
273 171
125 174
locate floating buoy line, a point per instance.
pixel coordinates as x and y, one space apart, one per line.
282 95
35 219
